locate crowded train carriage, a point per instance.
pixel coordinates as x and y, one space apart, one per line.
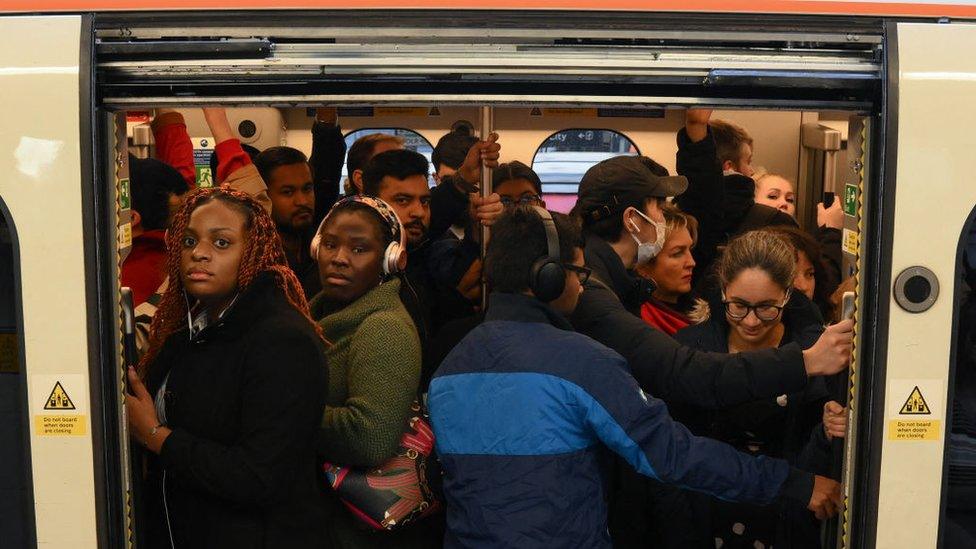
558 275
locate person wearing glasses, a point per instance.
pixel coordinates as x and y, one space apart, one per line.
517 185
758 309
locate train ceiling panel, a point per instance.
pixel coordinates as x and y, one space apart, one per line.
532 61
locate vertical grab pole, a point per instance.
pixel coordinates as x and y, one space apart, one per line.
487 126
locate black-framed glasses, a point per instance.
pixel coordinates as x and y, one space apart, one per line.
737 310
582 272
524 200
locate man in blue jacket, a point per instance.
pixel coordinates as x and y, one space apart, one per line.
524 408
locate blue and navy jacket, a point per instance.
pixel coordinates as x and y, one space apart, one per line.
523 410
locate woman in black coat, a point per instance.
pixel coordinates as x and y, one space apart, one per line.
758 309
234 388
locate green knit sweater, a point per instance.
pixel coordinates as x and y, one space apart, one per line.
374 371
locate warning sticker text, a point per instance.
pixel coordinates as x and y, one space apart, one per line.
914 429
60 425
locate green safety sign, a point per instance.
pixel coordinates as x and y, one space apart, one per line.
125 194
850 200
204 176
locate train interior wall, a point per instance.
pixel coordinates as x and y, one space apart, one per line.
776 134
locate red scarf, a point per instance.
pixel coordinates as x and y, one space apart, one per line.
662 317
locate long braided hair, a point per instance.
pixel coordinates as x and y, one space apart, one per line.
262 252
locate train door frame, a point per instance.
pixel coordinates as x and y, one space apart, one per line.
22 377
878 203
917 61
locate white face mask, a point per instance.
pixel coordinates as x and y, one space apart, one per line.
647 251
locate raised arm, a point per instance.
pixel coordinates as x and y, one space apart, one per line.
173 144
234 166
328 156
705 198
449 200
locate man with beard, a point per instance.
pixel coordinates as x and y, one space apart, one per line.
399 178
289 179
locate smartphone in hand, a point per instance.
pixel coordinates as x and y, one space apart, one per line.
847 306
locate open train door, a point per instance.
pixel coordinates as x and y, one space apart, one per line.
911 317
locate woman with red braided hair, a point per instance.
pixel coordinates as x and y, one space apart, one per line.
235 379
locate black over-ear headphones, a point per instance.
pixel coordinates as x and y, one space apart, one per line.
548 277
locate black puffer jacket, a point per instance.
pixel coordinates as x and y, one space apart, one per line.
244 399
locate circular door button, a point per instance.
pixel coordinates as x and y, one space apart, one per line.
916 289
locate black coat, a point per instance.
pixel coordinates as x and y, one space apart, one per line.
244 400
607 312
762 427
781 431
431 304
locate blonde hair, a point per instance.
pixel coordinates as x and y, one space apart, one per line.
674 219
763 174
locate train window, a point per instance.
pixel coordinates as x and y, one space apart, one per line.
411 140
564 156
14 475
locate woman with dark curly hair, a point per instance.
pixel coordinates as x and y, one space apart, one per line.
812 276
235 379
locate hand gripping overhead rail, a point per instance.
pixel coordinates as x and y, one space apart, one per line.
600 58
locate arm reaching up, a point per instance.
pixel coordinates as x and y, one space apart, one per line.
234 166
328 156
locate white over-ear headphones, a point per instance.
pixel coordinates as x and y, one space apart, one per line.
395 256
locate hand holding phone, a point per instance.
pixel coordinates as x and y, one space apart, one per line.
847 306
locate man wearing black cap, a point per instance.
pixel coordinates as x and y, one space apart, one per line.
619 204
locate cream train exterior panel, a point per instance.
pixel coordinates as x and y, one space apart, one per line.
934 197
41 186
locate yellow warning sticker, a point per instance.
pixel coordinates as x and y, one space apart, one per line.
59 405
914 429
125 235
915 409
849 241
61 425
59 399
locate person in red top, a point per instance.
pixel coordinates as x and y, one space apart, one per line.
157 191
670 272
173 144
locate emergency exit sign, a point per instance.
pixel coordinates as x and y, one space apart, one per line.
850 200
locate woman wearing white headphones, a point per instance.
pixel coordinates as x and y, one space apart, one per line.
374 360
